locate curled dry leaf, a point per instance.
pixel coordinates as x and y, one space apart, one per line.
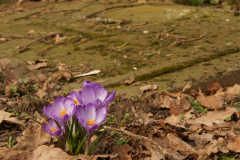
187 87
211 102
39 65
7 63
123 150
30 32
178 145
41 93
22 49
213 88
234 145
5 117
130 80
174 121
148 87
216 116
142 117
235 90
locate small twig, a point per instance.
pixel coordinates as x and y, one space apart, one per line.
15 57
233 11
179 42
25 17
159 148
9 133
38 40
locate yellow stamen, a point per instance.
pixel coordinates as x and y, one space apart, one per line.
91 122
63 112
53 129
76 102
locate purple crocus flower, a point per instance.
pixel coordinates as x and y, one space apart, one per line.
76 97
96 94
52 129
48 110
62 110
90 118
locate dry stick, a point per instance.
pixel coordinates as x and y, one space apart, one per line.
160 149
38 40
15 57
112 7
26 16
9 133
56 45
19 37
179 42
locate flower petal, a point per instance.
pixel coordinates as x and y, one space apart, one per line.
101 115
90 112
58 107
87 94
79 113
86 83
48 110
109 99
100 93
69 105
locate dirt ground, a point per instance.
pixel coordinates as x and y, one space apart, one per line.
156 55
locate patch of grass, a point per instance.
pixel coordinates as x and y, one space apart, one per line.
77 49
184 65
97 47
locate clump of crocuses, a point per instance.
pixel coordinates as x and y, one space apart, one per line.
78 117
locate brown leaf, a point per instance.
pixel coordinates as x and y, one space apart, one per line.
155 153
41 93
234 145
179 145
39 65
123 151
174 108
174 121
187 87
7 63
5 117
235 90
142 117
213 88
22 49
41 77
210 102
148 87
130 80
216 116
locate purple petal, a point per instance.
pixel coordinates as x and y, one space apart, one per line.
100 93
48 110
90 113
92 127
87 94
58 107
109 99
80 111
60 98
86 83
69 106
81 121
96 102
101 115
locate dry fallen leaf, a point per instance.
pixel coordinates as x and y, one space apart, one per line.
216 116
235 90
142 117
213 88
234 145
7 63
148 87
211 102
41 93
188 86
5 117
39 65
130 80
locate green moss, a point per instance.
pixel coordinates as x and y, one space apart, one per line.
79 32
104 54
97 47
153 43
184 65
77 49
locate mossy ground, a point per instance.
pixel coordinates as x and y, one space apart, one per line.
106 46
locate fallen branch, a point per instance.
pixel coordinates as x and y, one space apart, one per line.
180 42
112 7
15 57
53 34
159 148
